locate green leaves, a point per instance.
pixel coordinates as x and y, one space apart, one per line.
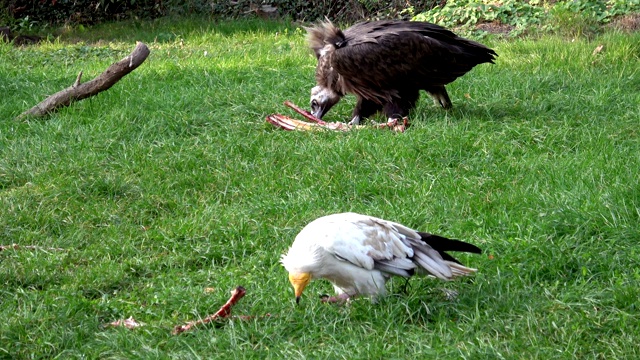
523 15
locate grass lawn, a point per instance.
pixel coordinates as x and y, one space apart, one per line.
170 189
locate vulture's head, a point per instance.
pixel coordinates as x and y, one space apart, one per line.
323 99
299 281
323 39
303 261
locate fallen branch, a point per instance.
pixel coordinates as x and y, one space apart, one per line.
289 123
104 81
304 113
224 312
28 247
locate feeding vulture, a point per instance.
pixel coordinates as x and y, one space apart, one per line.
359 253
386 63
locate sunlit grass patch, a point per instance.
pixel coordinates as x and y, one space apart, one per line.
170 189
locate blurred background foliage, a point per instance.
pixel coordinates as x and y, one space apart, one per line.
512 17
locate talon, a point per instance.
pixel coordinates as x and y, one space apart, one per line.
450 294
342 298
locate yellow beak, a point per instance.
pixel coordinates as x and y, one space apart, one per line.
299 281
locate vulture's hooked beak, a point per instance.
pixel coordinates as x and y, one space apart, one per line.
317 113
323 99
299 281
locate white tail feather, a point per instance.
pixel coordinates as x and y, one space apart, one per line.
460 270
438 268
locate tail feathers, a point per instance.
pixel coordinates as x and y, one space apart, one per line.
448 257
433 264
429 257
460 270
397 266
476 52
441 268
441 244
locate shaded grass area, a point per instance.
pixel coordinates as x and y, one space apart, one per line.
171 182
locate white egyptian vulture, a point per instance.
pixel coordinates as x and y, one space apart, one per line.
359 253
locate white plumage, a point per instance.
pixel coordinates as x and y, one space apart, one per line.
358 253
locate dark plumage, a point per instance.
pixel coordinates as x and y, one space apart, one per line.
386 64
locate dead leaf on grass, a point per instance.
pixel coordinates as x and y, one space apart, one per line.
597 50
129 323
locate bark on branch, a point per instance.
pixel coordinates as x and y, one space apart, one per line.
102 82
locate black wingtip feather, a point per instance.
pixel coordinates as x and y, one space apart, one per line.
440 244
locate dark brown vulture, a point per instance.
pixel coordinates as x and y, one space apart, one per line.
386 64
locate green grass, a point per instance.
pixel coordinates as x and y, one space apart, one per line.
171 182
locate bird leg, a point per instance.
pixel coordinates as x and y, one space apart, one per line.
450 294
355 120
339 299
405 286
364 108
395 124
440 96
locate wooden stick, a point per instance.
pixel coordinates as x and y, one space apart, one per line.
309 116
104 81
224 312
28 247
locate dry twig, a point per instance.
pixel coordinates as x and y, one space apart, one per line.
103 82
28 247
224 312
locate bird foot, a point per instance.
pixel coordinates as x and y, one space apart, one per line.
355 120
450 294
396 124
340 299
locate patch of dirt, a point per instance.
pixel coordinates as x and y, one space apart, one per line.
627 23
18 40
495 28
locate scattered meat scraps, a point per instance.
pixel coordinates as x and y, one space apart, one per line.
288 123
129 323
